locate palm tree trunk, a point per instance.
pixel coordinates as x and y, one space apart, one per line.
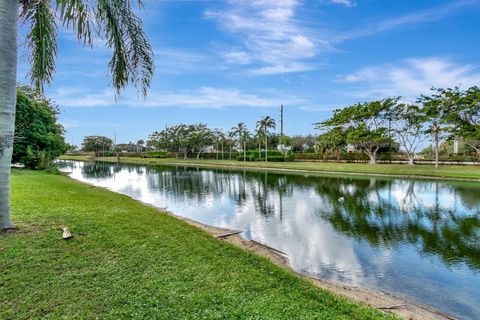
244 151
8 81
266 148
435 131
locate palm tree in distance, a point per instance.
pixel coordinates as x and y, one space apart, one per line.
140 144
260 136
230 140
219 138
266 123
241 132
113 21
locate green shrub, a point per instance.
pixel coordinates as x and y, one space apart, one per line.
344 156
248 157
382 156
209 155
156 154
273 155
38 160
277 158
106 154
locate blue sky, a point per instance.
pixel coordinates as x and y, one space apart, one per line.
222 62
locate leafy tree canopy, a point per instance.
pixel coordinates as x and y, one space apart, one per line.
463 116
39 139
332 140
364 125
183 138
96 144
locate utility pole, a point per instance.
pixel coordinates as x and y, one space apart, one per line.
281 121
435 132
281 130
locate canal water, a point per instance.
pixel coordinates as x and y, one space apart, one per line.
418 239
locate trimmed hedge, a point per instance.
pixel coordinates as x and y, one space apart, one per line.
382 157
273 155
205 155
344 156
155 154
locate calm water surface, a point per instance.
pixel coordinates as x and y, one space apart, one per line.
418 239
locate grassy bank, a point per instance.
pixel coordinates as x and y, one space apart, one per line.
445 171
129 261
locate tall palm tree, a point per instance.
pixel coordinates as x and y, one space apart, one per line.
219 138
222 137
230 140
266 123
260 136
114 21
241 132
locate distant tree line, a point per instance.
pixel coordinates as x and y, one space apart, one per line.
186 139
365 130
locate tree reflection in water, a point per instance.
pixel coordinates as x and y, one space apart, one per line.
99 170
369 212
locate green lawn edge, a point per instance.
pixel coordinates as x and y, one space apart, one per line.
130 261
447 172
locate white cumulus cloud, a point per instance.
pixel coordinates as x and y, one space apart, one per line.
346 3
412 77
271 38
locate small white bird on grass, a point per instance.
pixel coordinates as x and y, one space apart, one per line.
66 233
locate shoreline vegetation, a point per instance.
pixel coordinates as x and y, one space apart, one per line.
445 172
104 270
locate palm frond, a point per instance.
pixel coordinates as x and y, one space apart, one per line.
112 20
41 40
76 14
132 59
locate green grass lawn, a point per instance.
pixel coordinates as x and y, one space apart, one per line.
445 171
129 261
